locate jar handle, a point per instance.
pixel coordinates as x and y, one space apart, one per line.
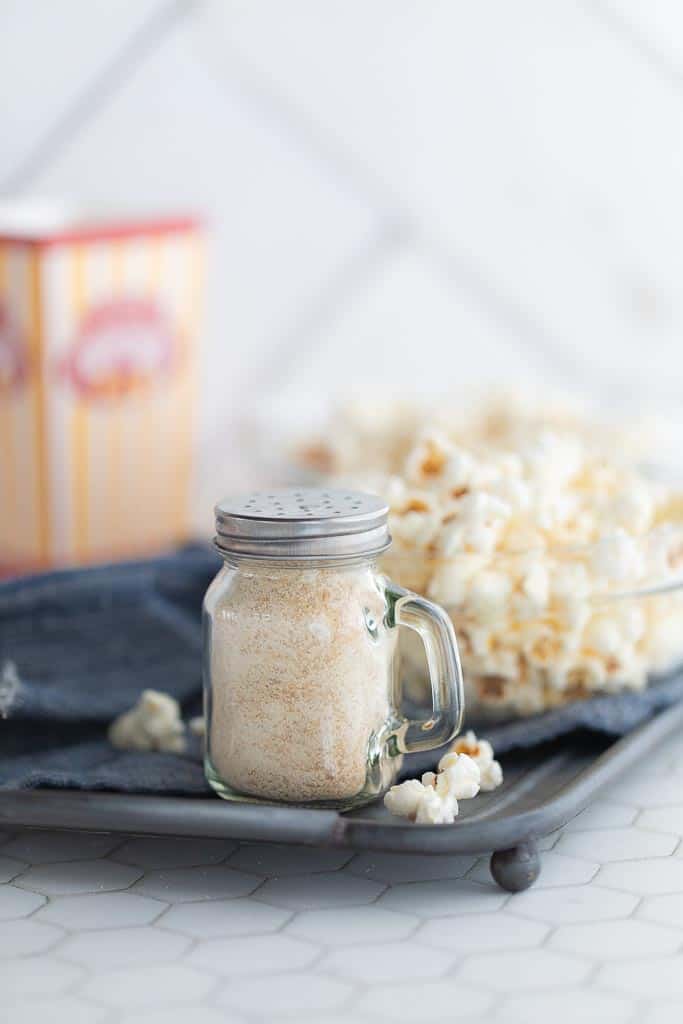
445 673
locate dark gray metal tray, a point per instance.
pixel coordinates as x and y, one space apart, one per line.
543 789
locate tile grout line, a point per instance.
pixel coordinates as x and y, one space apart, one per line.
93 94
326 305
236 73
306 134
626 32
508 312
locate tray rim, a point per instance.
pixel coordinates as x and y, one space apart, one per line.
209 817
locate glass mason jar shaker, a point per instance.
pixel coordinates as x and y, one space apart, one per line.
301 677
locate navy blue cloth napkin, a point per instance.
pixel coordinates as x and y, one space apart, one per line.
78 647
76 650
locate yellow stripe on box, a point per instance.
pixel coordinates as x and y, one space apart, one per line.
114 412
8 484
189 330
80 448
157 446
37 367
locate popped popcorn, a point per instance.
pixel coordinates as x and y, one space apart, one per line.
417 518
450 580
404 799
488 597
197 725
461 773
617 557
154 723
9 687
429 458
425 802
535 587
422 803
491 776
434 809
480 752
530 524
604 636
631 509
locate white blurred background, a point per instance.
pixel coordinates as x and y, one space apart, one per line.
402 195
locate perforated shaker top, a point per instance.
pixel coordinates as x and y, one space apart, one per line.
302 522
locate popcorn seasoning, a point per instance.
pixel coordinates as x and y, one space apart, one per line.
301 686
98 330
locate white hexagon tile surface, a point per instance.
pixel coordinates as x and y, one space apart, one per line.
121 930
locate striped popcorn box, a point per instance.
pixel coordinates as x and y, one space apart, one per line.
98 371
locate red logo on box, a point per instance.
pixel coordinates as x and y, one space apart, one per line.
124 346
13 366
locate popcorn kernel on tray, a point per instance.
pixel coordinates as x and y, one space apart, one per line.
154 723
465 770
526 522
481 753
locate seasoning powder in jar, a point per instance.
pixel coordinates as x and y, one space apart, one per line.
301 686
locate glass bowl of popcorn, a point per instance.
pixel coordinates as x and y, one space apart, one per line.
543 628
562 583
559 560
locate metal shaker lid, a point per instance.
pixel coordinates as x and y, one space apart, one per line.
302 522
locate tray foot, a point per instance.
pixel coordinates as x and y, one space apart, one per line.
517 868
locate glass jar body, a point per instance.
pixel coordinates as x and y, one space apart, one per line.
301 682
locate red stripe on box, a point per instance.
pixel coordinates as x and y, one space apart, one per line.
105 232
